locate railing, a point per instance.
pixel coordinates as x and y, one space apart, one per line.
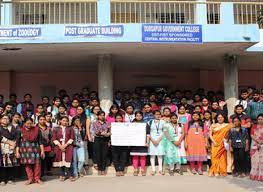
161 11
54 12
247 12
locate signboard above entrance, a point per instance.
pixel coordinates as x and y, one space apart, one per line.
171 33
20 32
92 31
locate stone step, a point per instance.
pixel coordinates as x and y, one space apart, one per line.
92 172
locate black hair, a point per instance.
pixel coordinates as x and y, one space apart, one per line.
62 105
101 112
28 94
149 104
256 92
28 119
260 115
48 113
174 115
112 107
63 117
41 116
56 98
4 115
199 121
74 120
16 113
166 108
237 106
118 115
220 114
92 109
243 91
129 105
45 97
39 105
157 111
139 112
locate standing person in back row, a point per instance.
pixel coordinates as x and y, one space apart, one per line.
26 108
255 107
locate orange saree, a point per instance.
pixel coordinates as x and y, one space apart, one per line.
219 153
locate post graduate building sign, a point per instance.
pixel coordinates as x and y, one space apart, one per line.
91 31
171 33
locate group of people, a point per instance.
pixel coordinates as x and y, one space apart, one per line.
181 128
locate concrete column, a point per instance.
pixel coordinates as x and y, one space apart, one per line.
227 13
201 12
231 82
6 12
6 84
104 12
105 82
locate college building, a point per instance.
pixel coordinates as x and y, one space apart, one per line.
107 45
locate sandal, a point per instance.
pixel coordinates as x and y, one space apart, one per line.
194 172
153 173
29 182
136 172
61 178
143 172
39 182
161 173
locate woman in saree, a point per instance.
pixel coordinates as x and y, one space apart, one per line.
218 133
256 153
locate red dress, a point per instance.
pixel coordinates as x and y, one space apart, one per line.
63 135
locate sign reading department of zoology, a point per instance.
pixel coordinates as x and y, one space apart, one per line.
171 33
20 32
93 30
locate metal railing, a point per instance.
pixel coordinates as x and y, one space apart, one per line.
161 11
54 12
247 12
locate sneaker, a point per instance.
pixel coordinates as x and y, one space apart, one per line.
2 183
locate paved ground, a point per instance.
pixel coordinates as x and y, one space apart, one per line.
137 184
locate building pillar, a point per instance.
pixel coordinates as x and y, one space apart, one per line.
6 12
201 12
104 12
231 82
227 13
105 82
6 84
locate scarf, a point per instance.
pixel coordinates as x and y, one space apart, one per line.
31 134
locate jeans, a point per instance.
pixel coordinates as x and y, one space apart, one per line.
78 160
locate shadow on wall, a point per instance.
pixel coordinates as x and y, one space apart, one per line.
247 184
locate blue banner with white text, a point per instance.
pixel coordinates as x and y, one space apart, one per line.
171 33
91 31
20 32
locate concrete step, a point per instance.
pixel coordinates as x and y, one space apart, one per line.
92 172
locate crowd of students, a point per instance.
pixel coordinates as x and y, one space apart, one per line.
181 127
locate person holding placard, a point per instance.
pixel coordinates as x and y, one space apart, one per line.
139 153
156 147
119 153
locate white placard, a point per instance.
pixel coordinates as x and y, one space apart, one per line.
128 134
